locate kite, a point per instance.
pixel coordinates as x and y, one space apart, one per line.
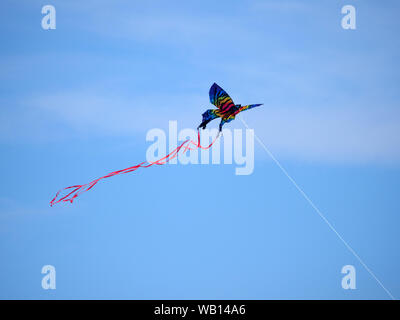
226 110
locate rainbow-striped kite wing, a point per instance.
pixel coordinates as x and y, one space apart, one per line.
220 99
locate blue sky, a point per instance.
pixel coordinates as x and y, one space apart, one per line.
77 102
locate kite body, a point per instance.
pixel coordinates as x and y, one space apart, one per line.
226 109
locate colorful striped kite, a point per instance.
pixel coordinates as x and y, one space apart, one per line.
227 111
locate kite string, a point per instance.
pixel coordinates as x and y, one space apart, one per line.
79 189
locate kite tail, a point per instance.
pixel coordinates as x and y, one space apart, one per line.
74 191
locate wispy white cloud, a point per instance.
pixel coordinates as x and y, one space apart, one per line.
334 135
341 135
111 115
75 114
